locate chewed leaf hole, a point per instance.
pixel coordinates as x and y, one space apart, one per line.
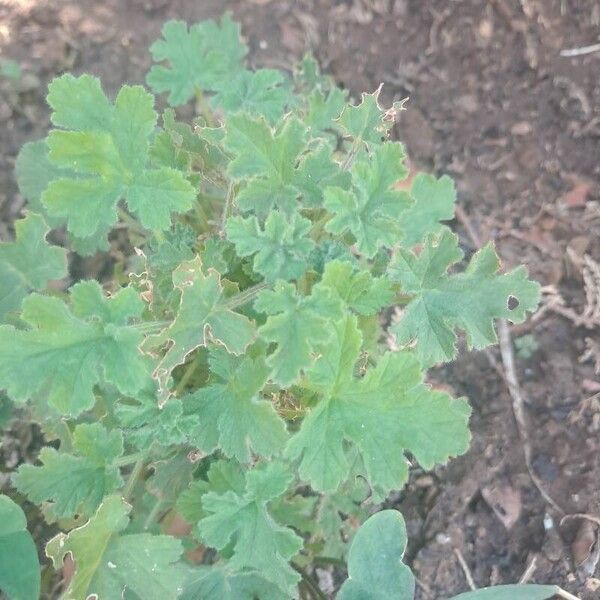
512 303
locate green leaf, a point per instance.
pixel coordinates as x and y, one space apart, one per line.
230 413
34 172
223 476
19 565
259 543
280 250
324 110
385 413
205 57
372 210
108 154
74 483
296 324
366 121
469 301
433 202
263 93
203 315
28 263
361 291
218 583
511 592
112 565
375 567
62 355
317 171
265 160
146 422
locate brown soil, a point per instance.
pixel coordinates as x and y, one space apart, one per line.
494 104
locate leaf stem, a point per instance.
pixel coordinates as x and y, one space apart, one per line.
351 154
310 583
245 296
203 108
137 470
186 375
131 222
227 205
128 459
153 513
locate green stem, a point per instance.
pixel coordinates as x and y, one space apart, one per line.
128 459
153 513
227 206
327 560
150 326
245 296
135 474
311 585
186 375
351 154
131 222
203 108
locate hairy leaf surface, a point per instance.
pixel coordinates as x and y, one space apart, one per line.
28 263
109 564
468 301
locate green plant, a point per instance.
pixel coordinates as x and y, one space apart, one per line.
376 570
231 372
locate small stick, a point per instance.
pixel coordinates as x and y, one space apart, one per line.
580 51
465 567
529 571
518 405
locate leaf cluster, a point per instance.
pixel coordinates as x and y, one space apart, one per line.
235 372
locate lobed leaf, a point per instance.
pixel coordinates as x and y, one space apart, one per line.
202 315
242 520
62 354
28 263
230 414
296 324
204 57
106 150
280 250
265 160
469 301
371 211
384 414
74 483
109 564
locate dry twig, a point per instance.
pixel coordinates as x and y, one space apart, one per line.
465 567
518 405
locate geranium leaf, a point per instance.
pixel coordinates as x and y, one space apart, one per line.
28 263
205 57
63 356
202 315
109 564
296 324
433 202
219 583
366 121
385 413
280 250
371 211
232 417
263 93
362 292
258 541
75 482
108 154
265 160
468 301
